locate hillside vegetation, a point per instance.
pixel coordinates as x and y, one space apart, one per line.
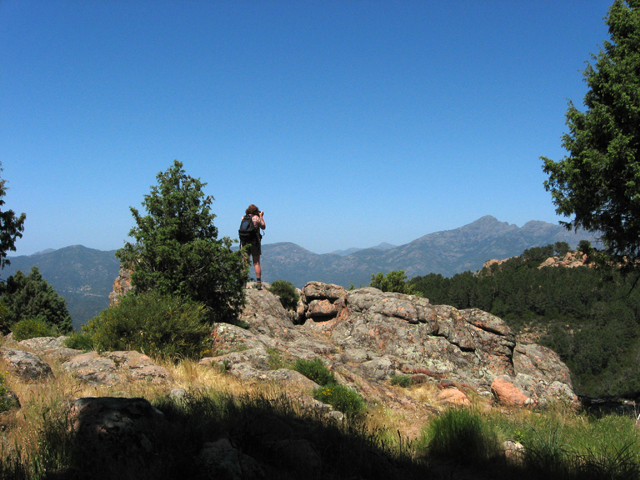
589 316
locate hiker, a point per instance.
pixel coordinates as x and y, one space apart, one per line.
250 234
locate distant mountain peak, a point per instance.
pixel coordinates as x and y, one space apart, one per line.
349 251
489 221
43 252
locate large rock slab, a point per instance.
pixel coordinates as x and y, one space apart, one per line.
26 365
541 363
113 368
50 347
113 431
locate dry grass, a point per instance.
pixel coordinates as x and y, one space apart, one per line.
425 392
390 425
51 398
396 428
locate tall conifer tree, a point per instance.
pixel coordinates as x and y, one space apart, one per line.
598 182
176 249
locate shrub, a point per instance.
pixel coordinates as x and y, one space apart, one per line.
157 325
341 398
400 380
461 436
79 341
286 292
31 328
315 370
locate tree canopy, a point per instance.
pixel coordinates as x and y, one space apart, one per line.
598 182
395 281
176 249
30 297
11 226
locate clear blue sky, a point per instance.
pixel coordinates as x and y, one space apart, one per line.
350 123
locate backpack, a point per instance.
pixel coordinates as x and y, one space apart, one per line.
247 231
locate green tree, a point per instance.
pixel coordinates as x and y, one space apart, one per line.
11 226
561 248
395 281
584 246
30 297
599 181
176 249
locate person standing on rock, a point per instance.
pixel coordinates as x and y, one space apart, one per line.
250 227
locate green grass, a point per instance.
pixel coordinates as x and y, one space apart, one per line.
275 360
460 435
565 444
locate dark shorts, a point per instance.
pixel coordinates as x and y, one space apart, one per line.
255 249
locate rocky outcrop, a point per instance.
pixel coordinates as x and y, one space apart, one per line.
367 336
494 261
221 460
570 260
49 346
121 286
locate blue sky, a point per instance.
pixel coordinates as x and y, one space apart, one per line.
349 123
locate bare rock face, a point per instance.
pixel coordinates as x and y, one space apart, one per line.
570 260
221 460
510 392
469 346
453 396
321 301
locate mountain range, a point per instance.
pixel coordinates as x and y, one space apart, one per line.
447 253
84 276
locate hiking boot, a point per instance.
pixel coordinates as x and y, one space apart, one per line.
259 285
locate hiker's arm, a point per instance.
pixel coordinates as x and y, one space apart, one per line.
261 223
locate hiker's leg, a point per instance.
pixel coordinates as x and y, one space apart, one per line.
256 266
